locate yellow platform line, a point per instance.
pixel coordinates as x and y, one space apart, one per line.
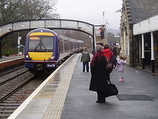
55 108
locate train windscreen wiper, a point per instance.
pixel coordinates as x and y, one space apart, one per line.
41 44
45 47
37 47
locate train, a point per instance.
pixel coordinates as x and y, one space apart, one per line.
45 49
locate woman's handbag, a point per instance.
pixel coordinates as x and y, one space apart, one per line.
109 66
112 89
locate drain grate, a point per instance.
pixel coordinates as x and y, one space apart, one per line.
132 97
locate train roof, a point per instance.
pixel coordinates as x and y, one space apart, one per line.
43 30
51 31
68 38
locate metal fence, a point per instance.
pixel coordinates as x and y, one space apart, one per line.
48 23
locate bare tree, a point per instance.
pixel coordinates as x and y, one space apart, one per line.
16 10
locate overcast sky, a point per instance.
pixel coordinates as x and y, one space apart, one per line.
91 11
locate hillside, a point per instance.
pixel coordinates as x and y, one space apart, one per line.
114 31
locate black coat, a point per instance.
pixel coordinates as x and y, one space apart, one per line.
99 75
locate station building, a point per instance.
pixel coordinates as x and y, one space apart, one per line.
139 33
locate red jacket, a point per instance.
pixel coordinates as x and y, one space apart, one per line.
108 53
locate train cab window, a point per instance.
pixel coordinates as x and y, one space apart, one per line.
41 44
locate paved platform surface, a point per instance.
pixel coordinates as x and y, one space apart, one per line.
65 95
137 99
10 58
47 101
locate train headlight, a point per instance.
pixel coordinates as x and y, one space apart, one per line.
27 56
52 57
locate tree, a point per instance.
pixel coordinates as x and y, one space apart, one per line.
16 10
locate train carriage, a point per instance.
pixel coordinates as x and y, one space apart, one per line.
44 49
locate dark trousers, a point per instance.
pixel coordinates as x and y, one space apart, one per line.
101 96
86 65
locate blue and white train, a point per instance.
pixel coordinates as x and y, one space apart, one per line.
45 49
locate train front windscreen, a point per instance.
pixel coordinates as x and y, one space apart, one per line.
41 44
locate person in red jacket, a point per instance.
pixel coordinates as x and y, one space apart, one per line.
107 52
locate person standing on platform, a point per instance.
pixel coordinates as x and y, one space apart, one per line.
120 67
99 76
114 49
109 55
85 58
107 52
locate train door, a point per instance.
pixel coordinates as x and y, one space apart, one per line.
61 45
147 49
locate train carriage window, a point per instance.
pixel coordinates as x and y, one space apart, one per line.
61 45
71 45
33 41
41 44
47 43
66 45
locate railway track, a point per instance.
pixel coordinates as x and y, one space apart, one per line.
9 75
15 87
2 73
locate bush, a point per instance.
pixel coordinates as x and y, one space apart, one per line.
9 51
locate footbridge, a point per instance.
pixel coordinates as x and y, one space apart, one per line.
65 24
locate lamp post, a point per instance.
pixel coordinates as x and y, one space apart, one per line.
105 27
103 17
19 38
106 31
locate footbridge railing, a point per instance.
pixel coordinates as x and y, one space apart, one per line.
49 23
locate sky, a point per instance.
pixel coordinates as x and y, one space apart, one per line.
91 11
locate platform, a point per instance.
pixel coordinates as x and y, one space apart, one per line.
11 61
10 58
65 95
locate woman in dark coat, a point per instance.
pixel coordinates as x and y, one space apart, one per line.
99 76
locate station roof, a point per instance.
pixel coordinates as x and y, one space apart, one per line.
148 25
141 9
